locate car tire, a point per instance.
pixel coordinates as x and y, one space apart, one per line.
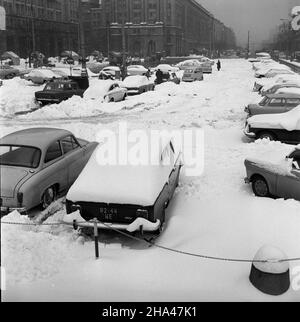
260 187
48 197
266 135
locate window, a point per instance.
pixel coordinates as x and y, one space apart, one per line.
54 152
69 144
20 156
276 102
292 101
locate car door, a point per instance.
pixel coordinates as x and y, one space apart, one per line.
75 157
54 170
276 105
288 186
291 103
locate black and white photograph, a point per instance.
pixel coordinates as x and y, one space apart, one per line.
150 153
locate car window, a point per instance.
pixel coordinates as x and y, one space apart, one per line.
293 101
54 152
69 144
20 156
276 102
264 101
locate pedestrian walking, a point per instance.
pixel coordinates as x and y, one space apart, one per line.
219 65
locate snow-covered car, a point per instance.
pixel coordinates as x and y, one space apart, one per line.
188 64
272 72
275 89
289 91
37 165
274 103
138 84
165 68
106 90
8 72
41 76
284 127
265 83
279 179
125 197
193 74
109 72
133 70
170 77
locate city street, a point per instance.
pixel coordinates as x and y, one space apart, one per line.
215 214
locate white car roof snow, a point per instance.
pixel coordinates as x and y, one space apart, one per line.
98 89
289 121
289 90
117 184
135 81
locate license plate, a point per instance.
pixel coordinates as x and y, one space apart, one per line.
108 213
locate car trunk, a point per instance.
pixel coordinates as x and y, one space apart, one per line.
10 177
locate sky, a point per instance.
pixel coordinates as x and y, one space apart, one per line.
261 17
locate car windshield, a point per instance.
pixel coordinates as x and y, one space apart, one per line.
20 156
264 101
54 86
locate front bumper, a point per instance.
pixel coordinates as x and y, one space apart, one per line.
250 135
140 224
7 210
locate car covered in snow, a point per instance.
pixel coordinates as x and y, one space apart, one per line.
166 68
169 77
125 197
7 72
106 90
278 87
273 104
60 90
190 63
274 71
41 76
109 72
193 74
279 179
138 84
37 165
133 70
284 127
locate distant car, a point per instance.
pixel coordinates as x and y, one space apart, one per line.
41 76
134 70
106 90
273 104
60 90
275 88
284 127
129 198
188 64
7 72
165 68
109 72
138 84
272 72
206 65
193 74
275 179
39 164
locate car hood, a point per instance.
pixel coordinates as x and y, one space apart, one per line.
10 178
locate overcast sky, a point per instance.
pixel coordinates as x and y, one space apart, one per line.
258 16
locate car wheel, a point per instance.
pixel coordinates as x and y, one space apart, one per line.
267 135
48 197
260 187
112 100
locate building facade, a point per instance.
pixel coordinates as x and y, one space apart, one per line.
47 26
170 27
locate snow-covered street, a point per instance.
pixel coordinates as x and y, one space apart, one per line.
215 214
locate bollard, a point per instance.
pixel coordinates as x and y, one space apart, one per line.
271 277
96 238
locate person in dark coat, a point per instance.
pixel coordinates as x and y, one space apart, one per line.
159 76
219 65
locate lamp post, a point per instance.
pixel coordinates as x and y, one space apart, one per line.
82 38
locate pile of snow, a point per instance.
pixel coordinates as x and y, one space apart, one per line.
289 121
11 103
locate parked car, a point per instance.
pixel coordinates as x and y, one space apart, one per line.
284 127
37 165
206 65
263 83
193 74
134 70
60 90
165 68
275 179
41 76
170 77
277 87
126 197
138 84
188 64
110 72
272 72
7 72
274 103
106 90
